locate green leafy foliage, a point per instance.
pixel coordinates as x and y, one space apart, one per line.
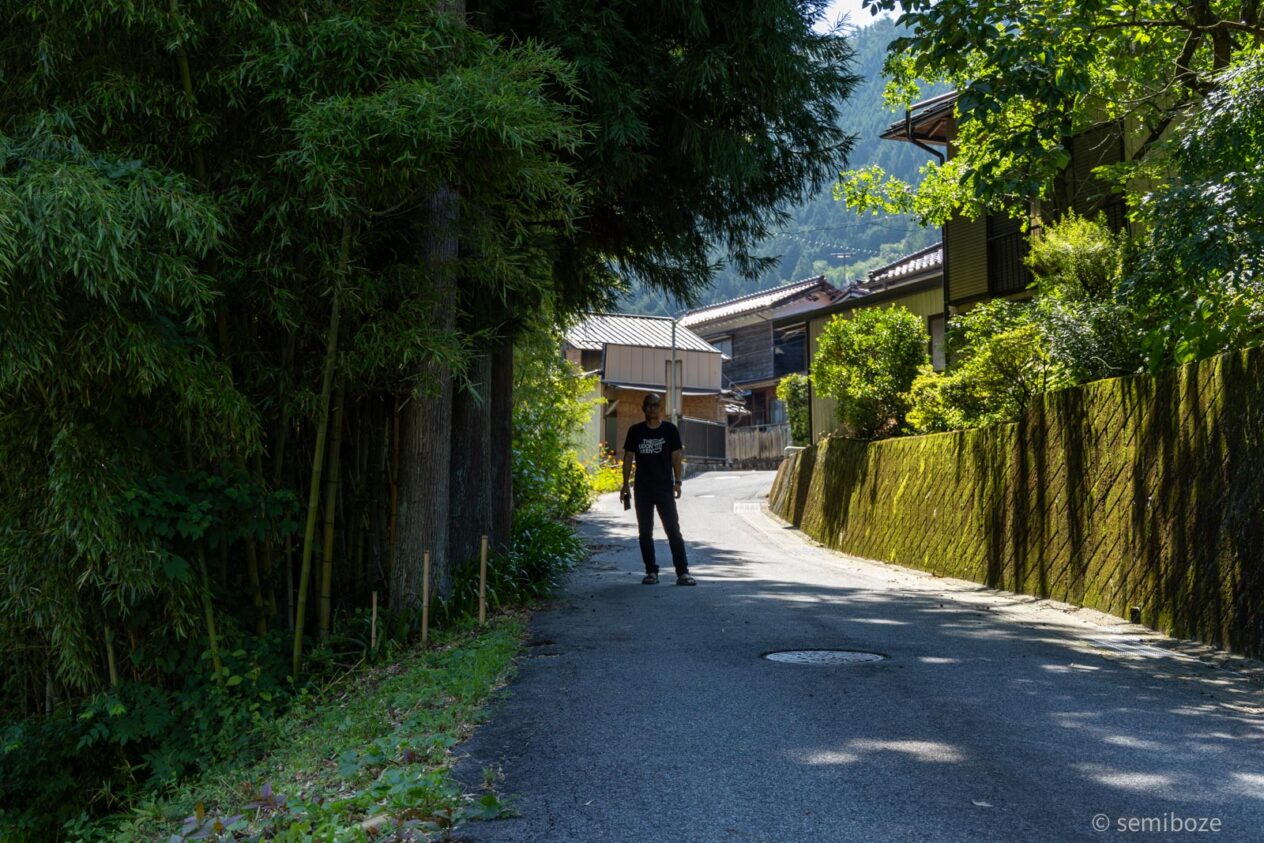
710 118
1080 306
1003 354
373 747
793 391
552 404
605 474
819 229
1034 73
867 362
1199 269
1001 360
543 550
184 190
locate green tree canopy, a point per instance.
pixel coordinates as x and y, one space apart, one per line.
710 118
867 361
1199 267
1032 74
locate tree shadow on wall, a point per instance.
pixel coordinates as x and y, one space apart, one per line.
843 467
1198 500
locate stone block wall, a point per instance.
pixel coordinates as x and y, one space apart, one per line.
1139 491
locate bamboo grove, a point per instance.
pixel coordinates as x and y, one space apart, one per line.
262 271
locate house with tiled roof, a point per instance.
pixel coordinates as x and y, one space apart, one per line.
914 282
633 355
763 338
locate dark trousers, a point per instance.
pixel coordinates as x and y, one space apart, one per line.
665 503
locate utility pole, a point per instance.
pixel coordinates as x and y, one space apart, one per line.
672 381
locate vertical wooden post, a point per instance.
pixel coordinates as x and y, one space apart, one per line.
373 626
482 581
425 597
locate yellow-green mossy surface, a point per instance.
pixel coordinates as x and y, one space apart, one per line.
1140 491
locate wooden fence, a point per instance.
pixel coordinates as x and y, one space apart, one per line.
758 442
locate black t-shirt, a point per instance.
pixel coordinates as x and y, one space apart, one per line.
653 448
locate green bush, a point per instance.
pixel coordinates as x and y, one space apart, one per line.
1000 361
1088 328
550 408
868 363
1004 353
137 739
543 549
605 474
931 408
793 391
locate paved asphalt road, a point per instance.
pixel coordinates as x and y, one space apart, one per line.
645 713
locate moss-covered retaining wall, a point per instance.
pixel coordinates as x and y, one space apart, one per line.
1139 491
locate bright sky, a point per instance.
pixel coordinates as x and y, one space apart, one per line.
857 14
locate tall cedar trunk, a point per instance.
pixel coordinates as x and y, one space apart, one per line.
500 417
471 464
425 444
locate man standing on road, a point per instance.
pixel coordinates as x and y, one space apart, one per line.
655 445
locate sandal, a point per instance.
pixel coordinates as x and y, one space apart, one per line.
650 579
685 579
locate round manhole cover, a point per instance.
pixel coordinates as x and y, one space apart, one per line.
823 656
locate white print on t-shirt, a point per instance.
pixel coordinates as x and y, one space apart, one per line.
652 446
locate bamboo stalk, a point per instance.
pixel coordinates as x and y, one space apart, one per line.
318 459
331 499
208 610
393 522
482 582
289 583
425 597
111 660
373 626
223 566
266 560
186 79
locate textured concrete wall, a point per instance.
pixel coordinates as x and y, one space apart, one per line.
1140 491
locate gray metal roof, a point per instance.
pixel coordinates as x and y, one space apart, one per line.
599 329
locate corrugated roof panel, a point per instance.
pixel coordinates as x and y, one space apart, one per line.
599 329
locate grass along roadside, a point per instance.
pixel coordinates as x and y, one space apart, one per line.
370 762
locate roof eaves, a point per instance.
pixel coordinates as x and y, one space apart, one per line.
786 290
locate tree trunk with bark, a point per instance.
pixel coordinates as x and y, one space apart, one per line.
471 466
500 451
425 440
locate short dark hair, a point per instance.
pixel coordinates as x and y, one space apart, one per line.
650 398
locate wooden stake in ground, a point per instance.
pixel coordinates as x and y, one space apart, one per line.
482 581
373 626
425 597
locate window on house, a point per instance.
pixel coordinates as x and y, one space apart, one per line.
1090 194
789 350
725 344
1007 249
